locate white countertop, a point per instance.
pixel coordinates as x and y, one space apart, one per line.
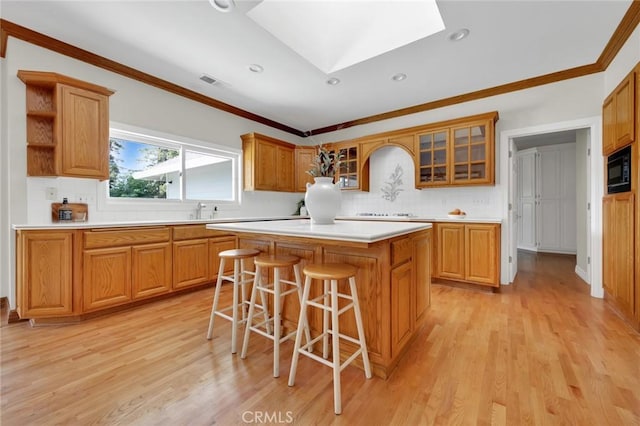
116 224
133 223
341 230
471 219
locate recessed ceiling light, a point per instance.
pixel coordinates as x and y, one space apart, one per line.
459 35
256 68
223 5
399 77
333 81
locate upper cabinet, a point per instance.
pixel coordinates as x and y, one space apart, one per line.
67 126
305 156
459 152
618 116
268 163
350 174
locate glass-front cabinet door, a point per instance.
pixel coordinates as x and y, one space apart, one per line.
470 154
457 154
347 176
432 170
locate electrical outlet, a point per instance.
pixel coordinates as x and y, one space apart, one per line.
51 193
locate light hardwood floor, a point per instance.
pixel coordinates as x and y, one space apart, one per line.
541 352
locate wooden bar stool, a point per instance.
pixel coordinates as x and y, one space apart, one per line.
330 274
277 262
240 278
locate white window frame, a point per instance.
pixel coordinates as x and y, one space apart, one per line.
182 143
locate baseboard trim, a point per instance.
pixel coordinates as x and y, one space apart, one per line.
582 274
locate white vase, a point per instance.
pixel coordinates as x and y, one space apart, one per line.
323 200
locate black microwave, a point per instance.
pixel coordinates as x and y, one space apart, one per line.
619 171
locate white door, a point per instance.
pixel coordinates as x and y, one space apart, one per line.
548 194
556 195
568 213
526 199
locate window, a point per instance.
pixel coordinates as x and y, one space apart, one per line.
145 166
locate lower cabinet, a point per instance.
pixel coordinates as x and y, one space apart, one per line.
152 270
66 273
123 265
618 251
44 272
190 263
410 286
468 252
106 277
195 255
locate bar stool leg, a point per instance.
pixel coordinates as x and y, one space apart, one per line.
301 320
216 298
243 276
277 327
325 321
298 275
234 322
247 326
359 326
335 340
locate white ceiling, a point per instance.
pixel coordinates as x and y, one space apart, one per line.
180 40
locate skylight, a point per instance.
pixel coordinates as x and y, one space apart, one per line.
336 34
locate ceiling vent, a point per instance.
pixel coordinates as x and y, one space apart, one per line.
208 79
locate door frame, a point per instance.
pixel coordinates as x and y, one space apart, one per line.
595 192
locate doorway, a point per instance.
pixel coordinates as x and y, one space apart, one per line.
588 131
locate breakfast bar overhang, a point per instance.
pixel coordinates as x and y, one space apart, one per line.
393 278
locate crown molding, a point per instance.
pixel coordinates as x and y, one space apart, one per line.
622 33
50 43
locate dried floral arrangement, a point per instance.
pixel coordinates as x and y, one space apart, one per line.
325 164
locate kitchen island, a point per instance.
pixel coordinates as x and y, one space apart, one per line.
394 275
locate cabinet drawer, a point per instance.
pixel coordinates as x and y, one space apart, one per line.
400 251
122 237
190 232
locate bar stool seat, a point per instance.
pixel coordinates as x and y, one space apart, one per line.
330 274
241 276
272 324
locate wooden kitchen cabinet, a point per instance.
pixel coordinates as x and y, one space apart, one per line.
468 253
351 173
305 157
67 126
191 263
195 254
268 163
123 265
482 254
217 245
618 251
410 286
401 296
618 116
45 272
450 251
151 270
68 273
458 152
106 277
